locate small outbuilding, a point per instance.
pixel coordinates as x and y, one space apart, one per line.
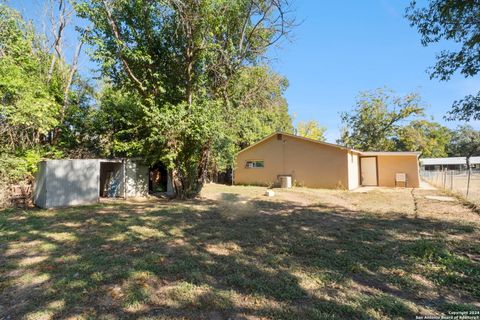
318 164
62 183
452 163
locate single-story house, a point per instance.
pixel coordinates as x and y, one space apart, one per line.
63 183
452 163
317 164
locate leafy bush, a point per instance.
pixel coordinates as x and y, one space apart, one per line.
21 168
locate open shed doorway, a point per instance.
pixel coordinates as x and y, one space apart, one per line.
112 176
158 179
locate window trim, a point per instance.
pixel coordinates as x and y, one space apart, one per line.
254 161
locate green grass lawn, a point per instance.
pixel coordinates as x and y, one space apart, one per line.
235 254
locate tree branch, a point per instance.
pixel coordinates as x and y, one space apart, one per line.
116 34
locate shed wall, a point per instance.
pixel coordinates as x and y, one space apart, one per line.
309 163
388 166
39 190
136 179
71 182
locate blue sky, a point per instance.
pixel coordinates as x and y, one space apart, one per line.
344 47
341 48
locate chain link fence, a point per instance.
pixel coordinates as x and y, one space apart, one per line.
457 181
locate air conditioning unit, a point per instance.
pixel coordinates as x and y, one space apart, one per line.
285 181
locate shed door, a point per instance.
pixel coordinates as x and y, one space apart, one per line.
368 170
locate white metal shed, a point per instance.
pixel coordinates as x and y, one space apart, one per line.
63 183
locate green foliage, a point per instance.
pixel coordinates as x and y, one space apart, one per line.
373 124
257 106
34 121
311 129
430 138
465 142
119 122
457 21
28 107
183 64
23 165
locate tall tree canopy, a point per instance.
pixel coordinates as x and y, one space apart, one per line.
428 137
43 103
373 123
311 129
179 59
29 106
457 21
465 142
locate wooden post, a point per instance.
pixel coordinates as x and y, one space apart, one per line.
451 180
468 180
444 178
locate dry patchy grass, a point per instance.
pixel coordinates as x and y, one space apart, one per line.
235 254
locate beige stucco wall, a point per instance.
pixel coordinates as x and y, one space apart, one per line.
353 171
311 164
389 165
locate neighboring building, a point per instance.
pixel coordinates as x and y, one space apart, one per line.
318 164
62 183
452 163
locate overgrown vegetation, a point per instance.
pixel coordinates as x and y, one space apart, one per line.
190 92
188 83
191 67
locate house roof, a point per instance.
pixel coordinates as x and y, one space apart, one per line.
301 138
407 153
447 161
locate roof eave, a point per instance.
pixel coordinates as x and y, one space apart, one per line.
299 137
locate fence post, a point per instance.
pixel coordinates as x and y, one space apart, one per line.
451 180
444 178
468 180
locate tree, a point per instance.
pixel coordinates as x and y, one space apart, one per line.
28 105
430 138
179 58
373 123
258 107
465 143
311 129
40 93
453 20
60 14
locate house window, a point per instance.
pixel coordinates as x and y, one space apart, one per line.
254 164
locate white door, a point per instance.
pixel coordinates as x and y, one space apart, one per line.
368 170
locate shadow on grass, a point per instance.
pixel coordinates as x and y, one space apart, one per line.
195 260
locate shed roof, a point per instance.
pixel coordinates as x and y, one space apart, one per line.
448 161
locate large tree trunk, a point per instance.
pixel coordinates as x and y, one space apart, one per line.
189 184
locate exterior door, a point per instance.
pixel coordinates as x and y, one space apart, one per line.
368 171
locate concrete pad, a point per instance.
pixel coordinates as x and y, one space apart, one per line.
424 185
441 198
